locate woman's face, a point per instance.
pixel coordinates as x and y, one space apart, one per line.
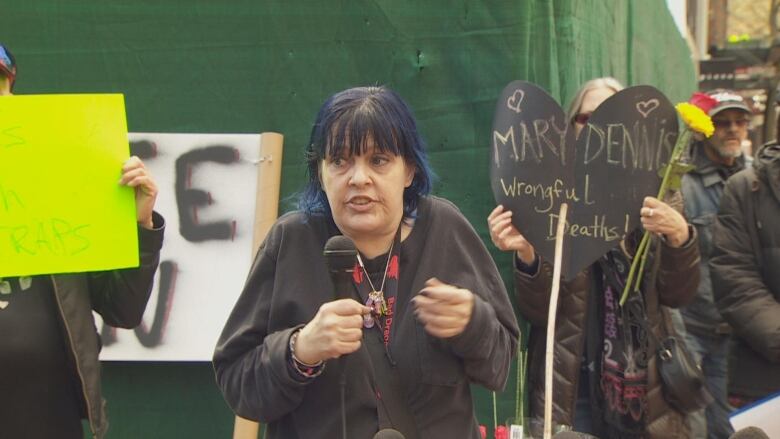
365 192
592 99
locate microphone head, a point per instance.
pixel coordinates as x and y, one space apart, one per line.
340 253
749 433
388 433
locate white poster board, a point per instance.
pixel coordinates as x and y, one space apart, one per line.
761 414
208 195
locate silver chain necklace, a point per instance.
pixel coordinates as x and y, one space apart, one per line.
376 298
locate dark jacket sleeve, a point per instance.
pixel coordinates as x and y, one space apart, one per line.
489 340
678 275
120 296
250 363
740 293
533 291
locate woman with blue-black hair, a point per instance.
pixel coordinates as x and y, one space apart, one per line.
427 313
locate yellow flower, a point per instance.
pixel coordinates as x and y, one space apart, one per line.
696 119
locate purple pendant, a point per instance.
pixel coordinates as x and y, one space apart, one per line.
375 301
368 321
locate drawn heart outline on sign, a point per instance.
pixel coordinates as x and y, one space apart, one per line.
514 101
646 107
604 175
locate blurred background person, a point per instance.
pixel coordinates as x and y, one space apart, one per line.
427 314
49 368
584 390
745 268
707 334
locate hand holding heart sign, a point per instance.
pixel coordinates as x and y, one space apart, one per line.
604 175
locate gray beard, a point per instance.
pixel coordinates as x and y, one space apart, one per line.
728 154
723 152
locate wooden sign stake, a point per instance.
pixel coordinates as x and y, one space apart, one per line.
548 360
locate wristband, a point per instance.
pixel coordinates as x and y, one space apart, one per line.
303 369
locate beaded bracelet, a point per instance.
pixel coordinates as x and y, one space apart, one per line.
304 369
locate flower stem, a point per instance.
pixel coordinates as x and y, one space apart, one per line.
641 251
495 412
519 386
522 359
642 263
634 263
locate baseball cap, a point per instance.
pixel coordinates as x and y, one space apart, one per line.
7 63
727 99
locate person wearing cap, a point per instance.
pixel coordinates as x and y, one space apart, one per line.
715 160
49 368
746 279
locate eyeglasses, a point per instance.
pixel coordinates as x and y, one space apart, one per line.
726 123
581 118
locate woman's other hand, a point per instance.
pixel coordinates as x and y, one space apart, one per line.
660 218
506 237
336 330
443 309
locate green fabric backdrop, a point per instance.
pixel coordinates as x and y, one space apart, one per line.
248 66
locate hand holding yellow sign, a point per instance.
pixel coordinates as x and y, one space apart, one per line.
61 206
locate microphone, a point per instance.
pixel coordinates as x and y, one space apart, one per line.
749 433
340 257
388 433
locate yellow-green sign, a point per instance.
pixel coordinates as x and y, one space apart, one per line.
61 206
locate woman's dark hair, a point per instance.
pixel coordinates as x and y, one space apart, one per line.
348 122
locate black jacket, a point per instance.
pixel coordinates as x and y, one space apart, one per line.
286 286
120 297
746 273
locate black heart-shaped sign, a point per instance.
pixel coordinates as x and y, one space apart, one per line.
603 176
